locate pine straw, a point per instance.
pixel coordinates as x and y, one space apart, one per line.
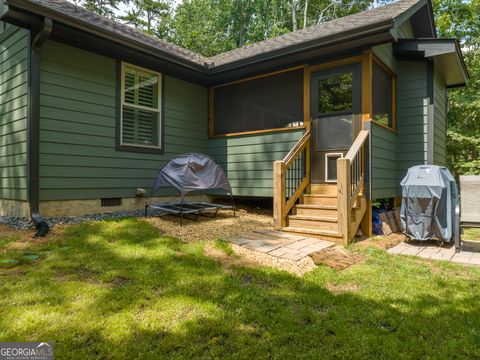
223 226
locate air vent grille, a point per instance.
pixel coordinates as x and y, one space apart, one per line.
108 202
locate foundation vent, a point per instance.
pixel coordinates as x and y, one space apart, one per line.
108 202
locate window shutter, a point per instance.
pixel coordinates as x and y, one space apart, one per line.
140 108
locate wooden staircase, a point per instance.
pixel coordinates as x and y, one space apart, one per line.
316 214
330 212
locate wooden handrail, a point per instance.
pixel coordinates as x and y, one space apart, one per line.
299 146
348 167
284 200
357 144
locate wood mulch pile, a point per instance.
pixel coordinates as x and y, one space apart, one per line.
384 242
250 258
224 225
336 257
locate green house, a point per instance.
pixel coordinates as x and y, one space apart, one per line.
323 120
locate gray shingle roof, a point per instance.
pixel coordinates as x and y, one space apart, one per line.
317 32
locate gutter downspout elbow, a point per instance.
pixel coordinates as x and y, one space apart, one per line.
34 126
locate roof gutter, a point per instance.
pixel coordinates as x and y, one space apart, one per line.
38 39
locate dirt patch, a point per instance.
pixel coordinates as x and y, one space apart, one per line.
342 288
336 257
221 227
251 258
22 239
382 242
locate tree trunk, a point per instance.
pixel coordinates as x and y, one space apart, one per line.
305 10
294 14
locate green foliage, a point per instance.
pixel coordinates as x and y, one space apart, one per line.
102 7
459 19
210 27
150 16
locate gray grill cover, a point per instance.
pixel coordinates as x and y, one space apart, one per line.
429 197
190 172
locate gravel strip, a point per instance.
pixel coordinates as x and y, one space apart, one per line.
223 226
18 223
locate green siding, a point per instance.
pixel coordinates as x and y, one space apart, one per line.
410 145
14 55
440 125
385 53
405 31
248 160
385 182
78 159
412 105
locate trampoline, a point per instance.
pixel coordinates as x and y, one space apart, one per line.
186 173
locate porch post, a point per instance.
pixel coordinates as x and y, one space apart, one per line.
279 194
367 59
343 188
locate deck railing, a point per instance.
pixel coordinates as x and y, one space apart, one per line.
350 183
290 178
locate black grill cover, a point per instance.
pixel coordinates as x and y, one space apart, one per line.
190 172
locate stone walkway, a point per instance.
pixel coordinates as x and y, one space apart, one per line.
470 254
279 244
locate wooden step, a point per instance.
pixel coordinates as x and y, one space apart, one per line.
323 189
315 210
315 199
313 222
333 236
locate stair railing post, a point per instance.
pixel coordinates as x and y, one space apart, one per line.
344 206
279 194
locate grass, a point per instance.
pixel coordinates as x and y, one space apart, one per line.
471 234
117 289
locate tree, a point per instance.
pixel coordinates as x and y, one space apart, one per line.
150 16
102 7
459 19
214 26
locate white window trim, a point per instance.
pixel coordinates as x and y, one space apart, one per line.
157 110
328 155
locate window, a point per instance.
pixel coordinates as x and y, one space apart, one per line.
268 102
140 121
383 93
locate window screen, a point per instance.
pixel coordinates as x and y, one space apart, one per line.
335 93
382 96
140 107
265 103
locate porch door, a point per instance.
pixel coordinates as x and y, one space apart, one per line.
336 118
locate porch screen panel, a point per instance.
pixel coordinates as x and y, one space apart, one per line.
264 103
382 96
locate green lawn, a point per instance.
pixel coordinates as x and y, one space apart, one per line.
471 234
115 290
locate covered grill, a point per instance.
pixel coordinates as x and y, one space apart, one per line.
429 198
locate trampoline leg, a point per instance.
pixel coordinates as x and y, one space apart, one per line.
146 210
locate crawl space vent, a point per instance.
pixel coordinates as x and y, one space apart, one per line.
107 202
